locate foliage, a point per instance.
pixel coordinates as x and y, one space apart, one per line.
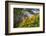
32 21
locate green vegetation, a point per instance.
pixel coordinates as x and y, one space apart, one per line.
32 21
